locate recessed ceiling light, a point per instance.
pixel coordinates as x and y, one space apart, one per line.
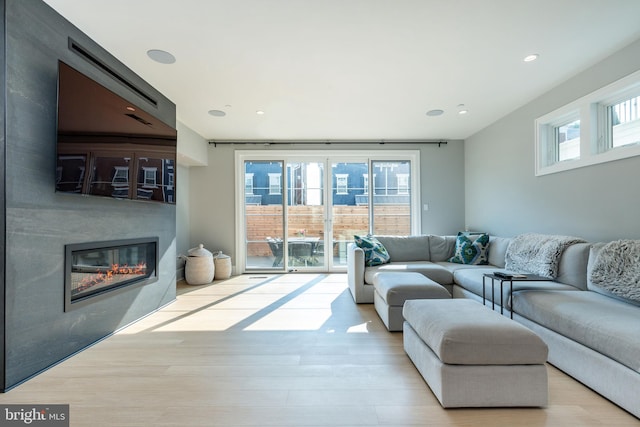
463 112
161 56
130 108
531 57
217 113
260 112
434 113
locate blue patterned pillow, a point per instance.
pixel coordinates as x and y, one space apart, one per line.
471 252
374 252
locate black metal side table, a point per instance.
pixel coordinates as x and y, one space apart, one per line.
507 278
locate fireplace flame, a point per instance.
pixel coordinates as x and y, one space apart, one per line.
114 274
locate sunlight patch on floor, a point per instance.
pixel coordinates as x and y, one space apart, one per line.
362 328
283 302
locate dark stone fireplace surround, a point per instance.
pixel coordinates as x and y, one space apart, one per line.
38 222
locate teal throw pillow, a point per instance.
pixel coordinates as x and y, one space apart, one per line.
469 251
374 252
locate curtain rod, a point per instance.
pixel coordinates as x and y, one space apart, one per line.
217 142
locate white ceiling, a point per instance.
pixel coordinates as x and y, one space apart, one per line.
354 69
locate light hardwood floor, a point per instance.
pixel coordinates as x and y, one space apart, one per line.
274 350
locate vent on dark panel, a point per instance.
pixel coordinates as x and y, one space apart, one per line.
140 119
84 53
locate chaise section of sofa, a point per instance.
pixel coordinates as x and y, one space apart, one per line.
592 336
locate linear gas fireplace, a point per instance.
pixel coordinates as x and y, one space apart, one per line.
95 270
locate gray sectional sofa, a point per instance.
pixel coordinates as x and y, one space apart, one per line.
592 335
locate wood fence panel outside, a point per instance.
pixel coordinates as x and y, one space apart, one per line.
264 221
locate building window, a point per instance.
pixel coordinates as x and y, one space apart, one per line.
120 176
149 176
248 183
275 186
403 183
342 186
600 127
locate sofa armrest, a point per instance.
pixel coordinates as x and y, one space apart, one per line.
355 272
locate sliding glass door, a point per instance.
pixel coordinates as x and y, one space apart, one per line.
299 212
305 237
264 214
349 206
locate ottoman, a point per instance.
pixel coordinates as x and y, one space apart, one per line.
471 356
393 289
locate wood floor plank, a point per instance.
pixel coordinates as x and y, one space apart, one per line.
274 350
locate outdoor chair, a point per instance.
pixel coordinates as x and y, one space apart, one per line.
276 249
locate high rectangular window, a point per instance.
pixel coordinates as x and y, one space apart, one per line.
624 122
600 127
567 141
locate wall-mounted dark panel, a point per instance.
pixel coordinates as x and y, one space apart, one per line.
40 222
2 207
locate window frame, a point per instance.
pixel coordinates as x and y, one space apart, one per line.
116 181
289 156
595 139
146 174
606 140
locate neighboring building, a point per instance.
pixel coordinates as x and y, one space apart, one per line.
350 183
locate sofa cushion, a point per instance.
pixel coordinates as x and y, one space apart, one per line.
604 324
406 248
471 280
432 271
441 248
374 252
572 268
538 253
498 250
396 288
471 251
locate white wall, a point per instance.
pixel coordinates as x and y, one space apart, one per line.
504 197
192 148
212 196
195 147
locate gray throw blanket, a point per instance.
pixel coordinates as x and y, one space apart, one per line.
537 253
616 269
